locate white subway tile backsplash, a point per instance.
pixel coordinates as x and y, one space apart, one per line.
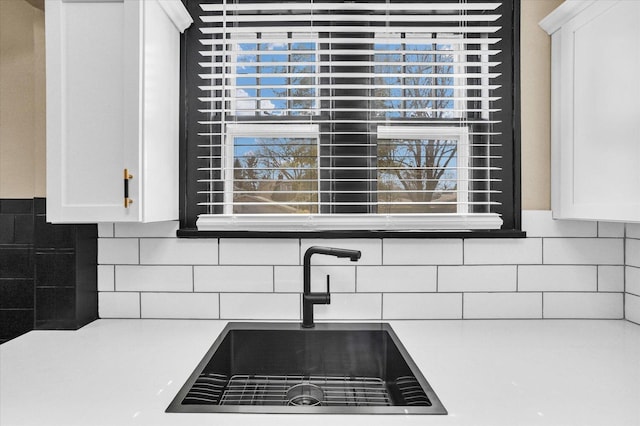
632 308
632 252
610 230
503 251
632 230
371 250
288 279
611 278
154 278
180 305
243 251
396 279
118 305
145 266
422 251
583 305
584 251
502 305
178 251
106 277
105 230
233 279
351 307
557 278
539 223
117 251
632 280
397 306
476 278
260 306
343 278
154 229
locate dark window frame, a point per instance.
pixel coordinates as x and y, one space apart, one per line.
510 197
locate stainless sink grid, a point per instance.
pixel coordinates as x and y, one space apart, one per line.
207 389
337 391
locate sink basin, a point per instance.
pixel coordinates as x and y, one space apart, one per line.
284 368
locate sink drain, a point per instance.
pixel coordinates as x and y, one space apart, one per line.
305 394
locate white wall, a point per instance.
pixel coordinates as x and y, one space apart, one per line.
22 100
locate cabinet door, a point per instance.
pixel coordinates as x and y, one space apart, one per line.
596 114
112 105
85 111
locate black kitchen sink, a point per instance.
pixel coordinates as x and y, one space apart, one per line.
284 368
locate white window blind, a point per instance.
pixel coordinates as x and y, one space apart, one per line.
385 112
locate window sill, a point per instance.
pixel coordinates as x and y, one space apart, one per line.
487 233
350 226
348 222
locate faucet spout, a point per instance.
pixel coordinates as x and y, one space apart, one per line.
308 298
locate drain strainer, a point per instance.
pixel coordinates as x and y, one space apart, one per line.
305 394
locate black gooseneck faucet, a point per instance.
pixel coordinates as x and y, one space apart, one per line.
308 298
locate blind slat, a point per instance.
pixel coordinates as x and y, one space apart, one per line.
400 100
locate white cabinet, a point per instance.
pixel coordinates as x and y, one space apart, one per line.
595 138
113 104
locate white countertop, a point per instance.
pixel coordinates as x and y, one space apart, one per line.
528 372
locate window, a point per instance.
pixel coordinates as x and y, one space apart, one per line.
366 115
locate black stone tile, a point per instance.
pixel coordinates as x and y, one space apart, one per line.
16 293
7 228
16 262
86 274
16 205
15 322
24 228
55 304
50 236
55 269
86 305
45 303
39 205
65 304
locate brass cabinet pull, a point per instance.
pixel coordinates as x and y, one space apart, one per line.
127 200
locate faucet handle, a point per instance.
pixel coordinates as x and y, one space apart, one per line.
328 286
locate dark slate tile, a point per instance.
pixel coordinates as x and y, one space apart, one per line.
50 236
24 228
15 322
45 303
55 269
7 228
55 304
16 205
16 262
65 304
16 293
39 205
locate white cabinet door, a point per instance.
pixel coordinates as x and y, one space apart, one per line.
112 104
595 110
